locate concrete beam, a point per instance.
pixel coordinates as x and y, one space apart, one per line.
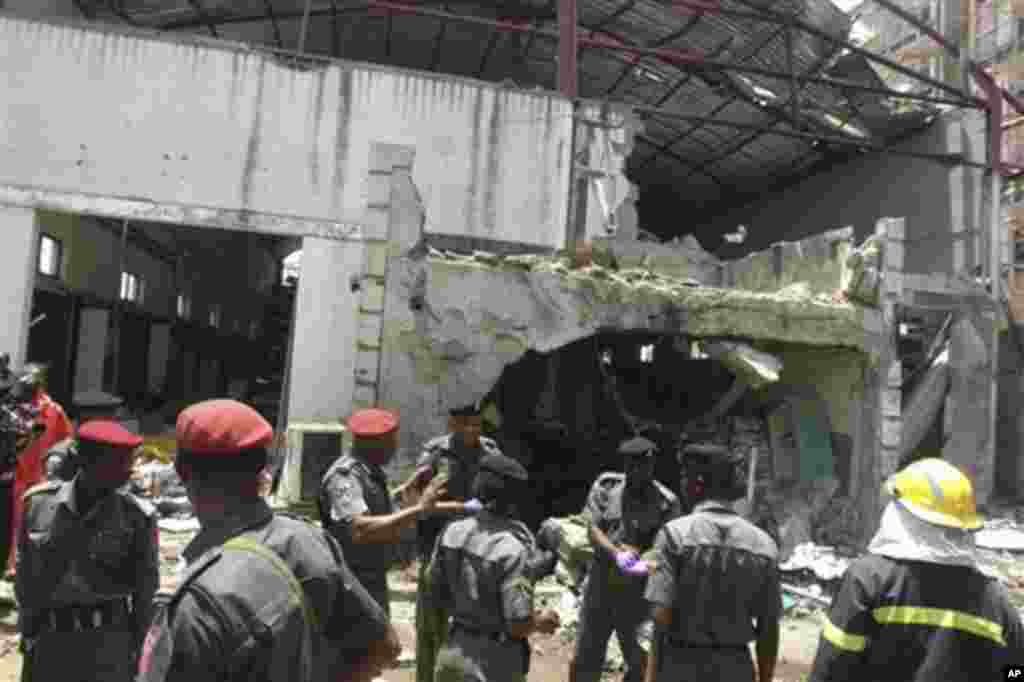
179 214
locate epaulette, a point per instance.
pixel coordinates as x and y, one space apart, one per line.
52 486
610 478
489 444
523 534
145 506
669 496
439 443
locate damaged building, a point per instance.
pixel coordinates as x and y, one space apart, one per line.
692 224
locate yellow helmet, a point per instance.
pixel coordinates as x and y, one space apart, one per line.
937 492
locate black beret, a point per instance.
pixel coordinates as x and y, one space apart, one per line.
97 400
637 446
503 466
710 452
470 410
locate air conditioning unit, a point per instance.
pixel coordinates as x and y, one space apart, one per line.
310 448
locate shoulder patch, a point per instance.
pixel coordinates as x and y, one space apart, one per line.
669 496
48 486
145 506
488 442
439 442
610 479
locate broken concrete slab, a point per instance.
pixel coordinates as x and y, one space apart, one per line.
755 367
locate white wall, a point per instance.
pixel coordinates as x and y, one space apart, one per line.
181 120
323 351
17 275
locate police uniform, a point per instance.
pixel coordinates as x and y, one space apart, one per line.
463 465
351 487
480 574
906 615
61 462
718 574
85 579
265 597
611 600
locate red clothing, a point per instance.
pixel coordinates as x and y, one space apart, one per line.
31 462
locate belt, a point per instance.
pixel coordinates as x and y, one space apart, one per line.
498 636
86 616
683 644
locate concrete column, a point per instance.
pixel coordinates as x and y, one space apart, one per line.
890 433
969 403
325 331
17 278
93 328
880 422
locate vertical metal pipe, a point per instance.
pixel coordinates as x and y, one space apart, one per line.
304 27
567 48
118 311
995 271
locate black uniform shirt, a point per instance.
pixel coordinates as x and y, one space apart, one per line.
69 558
225 622
719 575
480 571
352 487
908 621
464 464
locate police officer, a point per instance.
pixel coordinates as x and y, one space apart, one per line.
456 456
916 607
61 459
624 511
715 586
265 596
88 565
479 572
356 507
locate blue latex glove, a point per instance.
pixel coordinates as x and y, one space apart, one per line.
473 506
625 560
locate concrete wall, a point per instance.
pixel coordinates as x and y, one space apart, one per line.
818 261
215 127
941 204
17 263
323 351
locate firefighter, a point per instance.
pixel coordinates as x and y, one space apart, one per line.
917 607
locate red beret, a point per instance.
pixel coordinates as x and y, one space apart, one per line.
108 432
221 427
371 423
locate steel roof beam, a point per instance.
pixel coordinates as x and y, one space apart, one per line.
867 145
203 16
773 16
684 162
273 22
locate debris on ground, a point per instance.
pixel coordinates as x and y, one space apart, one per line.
1001 534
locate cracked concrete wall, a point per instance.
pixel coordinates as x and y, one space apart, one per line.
452 325
818 260
253 143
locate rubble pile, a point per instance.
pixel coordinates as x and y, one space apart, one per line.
158 482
